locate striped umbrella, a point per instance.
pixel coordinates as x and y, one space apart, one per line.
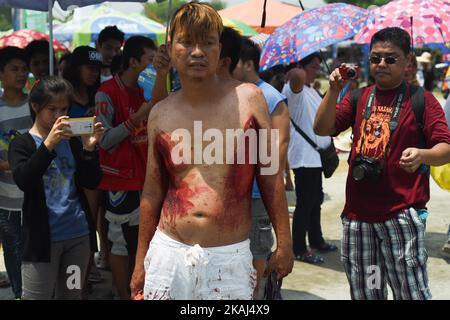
260 39
22 38
243 28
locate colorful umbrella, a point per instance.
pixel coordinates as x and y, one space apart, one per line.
243 28
21 38
251 11
415 8
311 31
260 39
426 20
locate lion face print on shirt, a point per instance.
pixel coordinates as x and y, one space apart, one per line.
375 133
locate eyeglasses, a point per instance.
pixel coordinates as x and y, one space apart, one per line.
378 59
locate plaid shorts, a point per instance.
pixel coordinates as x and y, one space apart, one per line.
393 252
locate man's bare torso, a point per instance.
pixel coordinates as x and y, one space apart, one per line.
205 204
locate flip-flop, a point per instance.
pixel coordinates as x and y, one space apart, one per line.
446 247
310 258
4 281
327 247
95 277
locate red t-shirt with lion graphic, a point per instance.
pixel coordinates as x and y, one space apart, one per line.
395 190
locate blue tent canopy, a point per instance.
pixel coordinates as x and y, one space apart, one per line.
43 5
86 31
47 5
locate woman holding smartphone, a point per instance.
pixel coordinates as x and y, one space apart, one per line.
82 70
52 167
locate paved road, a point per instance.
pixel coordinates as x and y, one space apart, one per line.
328 281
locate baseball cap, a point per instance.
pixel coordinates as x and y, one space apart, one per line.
426 57
86 55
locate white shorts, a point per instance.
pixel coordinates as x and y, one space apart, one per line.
176 271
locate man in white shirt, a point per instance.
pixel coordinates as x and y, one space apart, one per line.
303 102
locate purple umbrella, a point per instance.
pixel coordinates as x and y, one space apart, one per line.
311 31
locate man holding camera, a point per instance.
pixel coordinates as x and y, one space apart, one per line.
388 184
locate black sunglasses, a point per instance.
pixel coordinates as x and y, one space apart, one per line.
378 59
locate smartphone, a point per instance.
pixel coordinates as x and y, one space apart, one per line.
81 126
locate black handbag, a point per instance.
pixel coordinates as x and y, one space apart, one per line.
328 156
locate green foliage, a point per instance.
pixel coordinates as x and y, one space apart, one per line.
158 11
5 18
218 4
361 3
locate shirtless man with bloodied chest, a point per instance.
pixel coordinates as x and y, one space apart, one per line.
196 215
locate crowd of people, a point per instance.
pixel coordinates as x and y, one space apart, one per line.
120 198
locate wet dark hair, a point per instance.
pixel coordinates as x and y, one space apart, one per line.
250 52
10 53
46 89
37 47
134 48
195 19
231 41
308 59
110 32
396 36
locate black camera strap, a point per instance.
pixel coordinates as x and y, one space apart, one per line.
305 136
393 123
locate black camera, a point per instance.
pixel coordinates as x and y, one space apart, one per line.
366 168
